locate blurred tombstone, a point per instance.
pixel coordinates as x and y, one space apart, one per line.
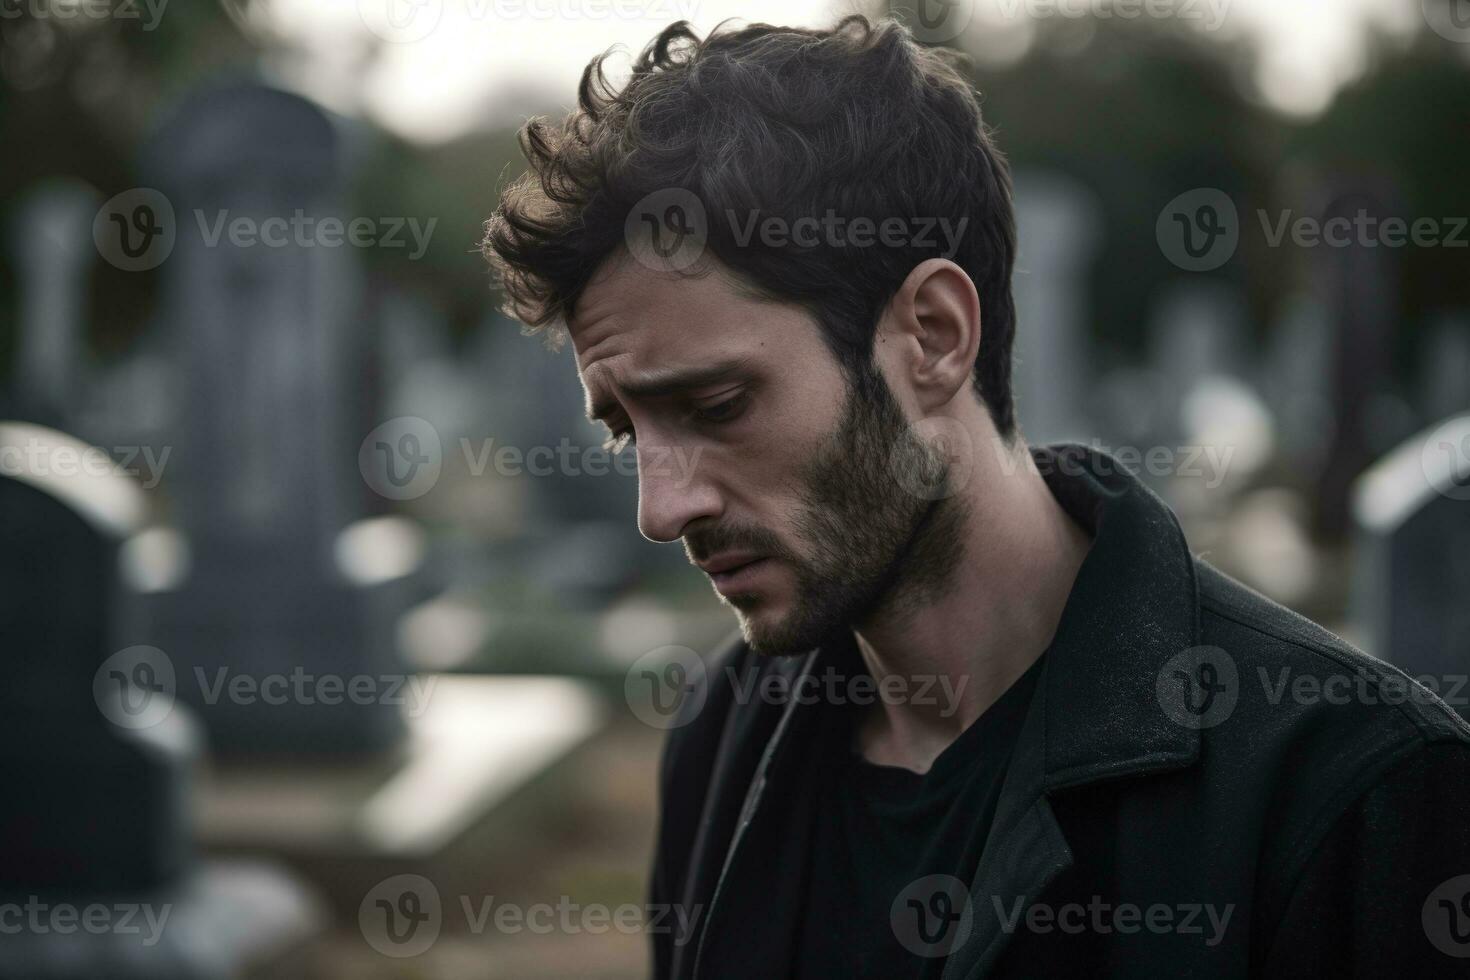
1444 373
417 367
264 483
1058 229
51 240
96 755
61 529
55 383
578 537
1412 514
1296 383
1198 335
1358 284
531 399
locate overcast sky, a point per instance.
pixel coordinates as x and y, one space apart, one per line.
453 64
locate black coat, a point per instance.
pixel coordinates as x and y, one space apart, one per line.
1150 789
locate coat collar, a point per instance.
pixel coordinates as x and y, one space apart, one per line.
1134 606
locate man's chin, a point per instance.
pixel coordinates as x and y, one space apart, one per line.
771 632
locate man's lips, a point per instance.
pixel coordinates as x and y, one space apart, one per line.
733 572
728 562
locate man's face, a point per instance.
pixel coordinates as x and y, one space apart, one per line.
791 506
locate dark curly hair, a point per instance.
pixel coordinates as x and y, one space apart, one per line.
859 120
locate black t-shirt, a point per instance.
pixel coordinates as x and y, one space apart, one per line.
881 833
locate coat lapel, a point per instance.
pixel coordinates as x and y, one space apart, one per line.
1024 851
1095 714
764 863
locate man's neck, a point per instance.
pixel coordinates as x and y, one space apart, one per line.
965 647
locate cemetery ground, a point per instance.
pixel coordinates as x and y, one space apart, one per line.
580 835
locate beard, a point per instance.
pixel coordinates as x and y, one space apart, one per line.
872 546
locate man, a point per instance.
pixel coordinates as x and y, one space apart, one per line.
986 714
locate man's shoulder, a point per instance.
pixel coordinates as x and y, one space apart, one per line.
1296 666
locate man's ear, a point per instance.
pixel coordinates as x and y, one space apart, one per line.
932 326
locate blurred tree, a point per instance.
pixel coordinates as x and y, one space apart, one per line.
77 93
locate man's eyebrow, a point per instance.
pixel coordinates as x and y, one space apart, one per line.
671 381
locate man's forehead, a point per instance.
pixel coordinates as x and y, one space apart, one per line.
634 321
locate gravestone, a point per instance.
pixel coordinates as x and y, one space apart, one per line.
1444 372
266 325
102 804
51 241
1412 519
1197 336
1296 383
95 843
1059 232
1358 285
578 538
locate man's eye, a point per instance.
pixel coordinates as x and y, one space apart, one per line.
725 411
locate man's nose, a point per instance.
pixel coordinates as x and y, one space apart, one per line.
672 492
